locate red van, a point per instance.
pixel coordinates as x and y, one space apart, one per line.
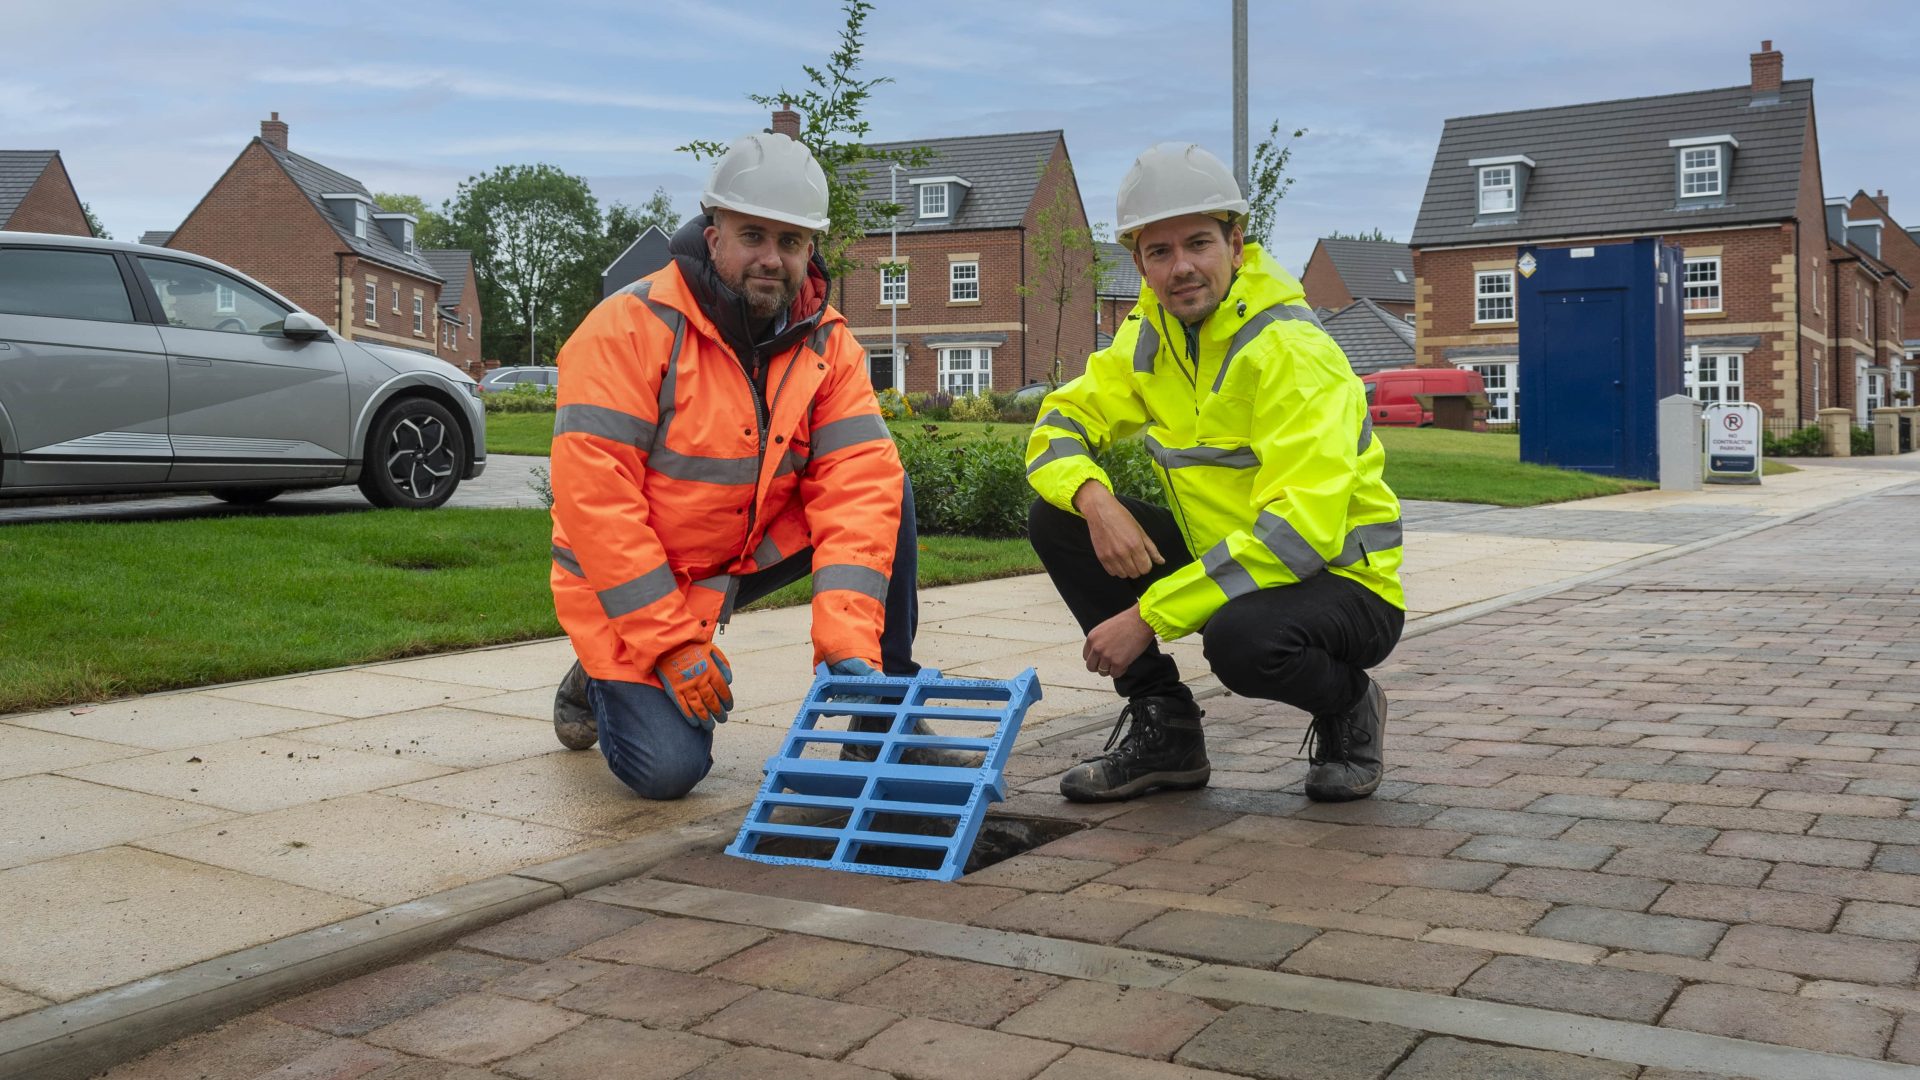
1390 394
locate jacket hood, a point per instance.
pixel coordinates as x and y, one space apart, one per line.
728 310
1260 283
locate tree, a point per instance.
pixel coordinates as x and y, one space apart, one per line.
1375 236
430 230
1061 256
99 231
832 128
1267 181
534 232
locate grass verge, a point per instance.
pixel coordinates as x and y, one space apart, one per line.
97 610
520 433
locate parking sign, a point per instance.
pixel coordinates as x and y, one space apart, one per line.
1732 442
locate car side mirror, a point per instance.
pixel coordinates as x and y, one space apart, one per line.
303 327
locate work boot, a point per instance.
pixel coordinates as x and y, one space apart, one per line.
1347 749
573 722
952 759
1163 748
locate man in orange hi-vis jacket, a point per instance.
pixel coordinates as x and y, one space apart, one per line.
717 437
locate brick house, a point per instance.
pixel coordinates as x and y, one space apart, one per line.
457 314
1731 175
964 324
1340 272
36 194
1118 292
317 236
1899 251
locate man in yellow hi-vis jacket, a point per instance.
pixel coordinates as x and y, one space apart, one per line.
1281 543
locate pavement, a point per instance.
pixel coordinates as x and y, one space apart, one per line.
1650 801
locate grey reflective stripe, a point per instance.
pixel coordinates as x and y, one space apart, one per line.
817 341
850 576
621 427
1169 457
630 597
1257 323
1288 545
767 553
790 462
1366 431
725 584
1064 422
1362 539
1146 348
1232 578
1057 450
710 470
851 431
567 562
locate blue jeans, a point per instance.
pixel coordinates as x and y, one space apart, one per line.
654 751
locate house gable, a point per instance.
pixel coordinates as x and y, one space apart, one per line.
36 195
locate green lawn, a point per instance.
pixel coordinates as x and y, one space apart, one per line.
1465 466
520 433
100 610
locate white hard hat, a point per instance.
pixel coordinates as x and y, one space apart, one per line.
1171 180
769 175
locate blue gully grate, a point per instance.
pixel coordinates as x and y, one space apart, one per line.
893 818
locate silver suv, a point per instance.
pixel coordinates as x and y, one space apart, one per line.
126 368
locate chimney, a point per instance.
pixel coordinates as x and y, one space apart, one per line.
786 122
1880 196
274 132
1767 64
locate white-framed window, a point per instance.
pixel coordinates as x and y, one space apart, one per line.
1411 319
966 370
469 322
1502 381
893 284
1496 189
1876 395
1493 296
406 236
1699 171
1700 284
1905 381
933 200
361 215
963 281
1717 377
373 303
419 316
396 299
224 298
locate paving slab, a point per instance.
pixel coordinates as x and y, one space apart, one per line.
52 816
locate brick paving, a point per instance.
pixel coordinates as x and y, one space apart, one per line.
1684 796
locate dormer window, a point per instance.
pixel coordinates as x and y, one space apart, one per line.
940 198
933 200
406 234
1702 167
361 215
1496 189
1700 171
1500 184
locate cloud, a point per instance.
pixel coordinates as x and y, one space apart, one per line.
26 107
463 84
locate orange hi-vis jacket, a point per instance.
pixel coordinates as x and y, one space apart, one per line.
674 475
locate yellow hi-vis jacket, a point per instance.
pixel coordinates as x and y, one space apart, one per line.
1263 443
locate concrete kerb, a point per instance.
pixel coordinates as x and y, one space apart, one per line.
79 1038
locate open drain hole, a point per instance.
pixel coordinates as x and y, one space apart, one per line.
1002 836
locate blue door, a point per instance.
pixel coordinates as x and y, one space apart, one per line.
1585 374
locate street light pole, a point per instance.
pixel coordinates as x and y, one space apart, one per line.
893 258
1240 93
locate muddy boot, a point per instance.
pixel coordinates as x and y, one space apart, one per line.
1348 749
1163 748
573 722
953 759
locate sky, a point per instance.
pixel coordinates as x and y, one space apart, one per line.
149 103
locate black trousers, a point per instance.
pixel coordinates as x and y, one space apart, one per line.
1307 644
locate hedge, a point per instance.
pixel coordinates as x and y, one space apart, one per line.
980 488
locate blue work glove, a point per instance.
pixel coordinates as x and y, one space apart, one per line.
853 666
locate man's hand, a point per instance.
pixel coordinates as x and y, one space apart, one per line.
695 677
1124 548
1114 645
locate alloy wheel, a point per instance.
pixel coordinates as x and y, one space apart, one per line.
420 456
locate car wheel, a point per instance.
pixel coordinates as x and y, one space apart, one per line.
246 496
414 455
